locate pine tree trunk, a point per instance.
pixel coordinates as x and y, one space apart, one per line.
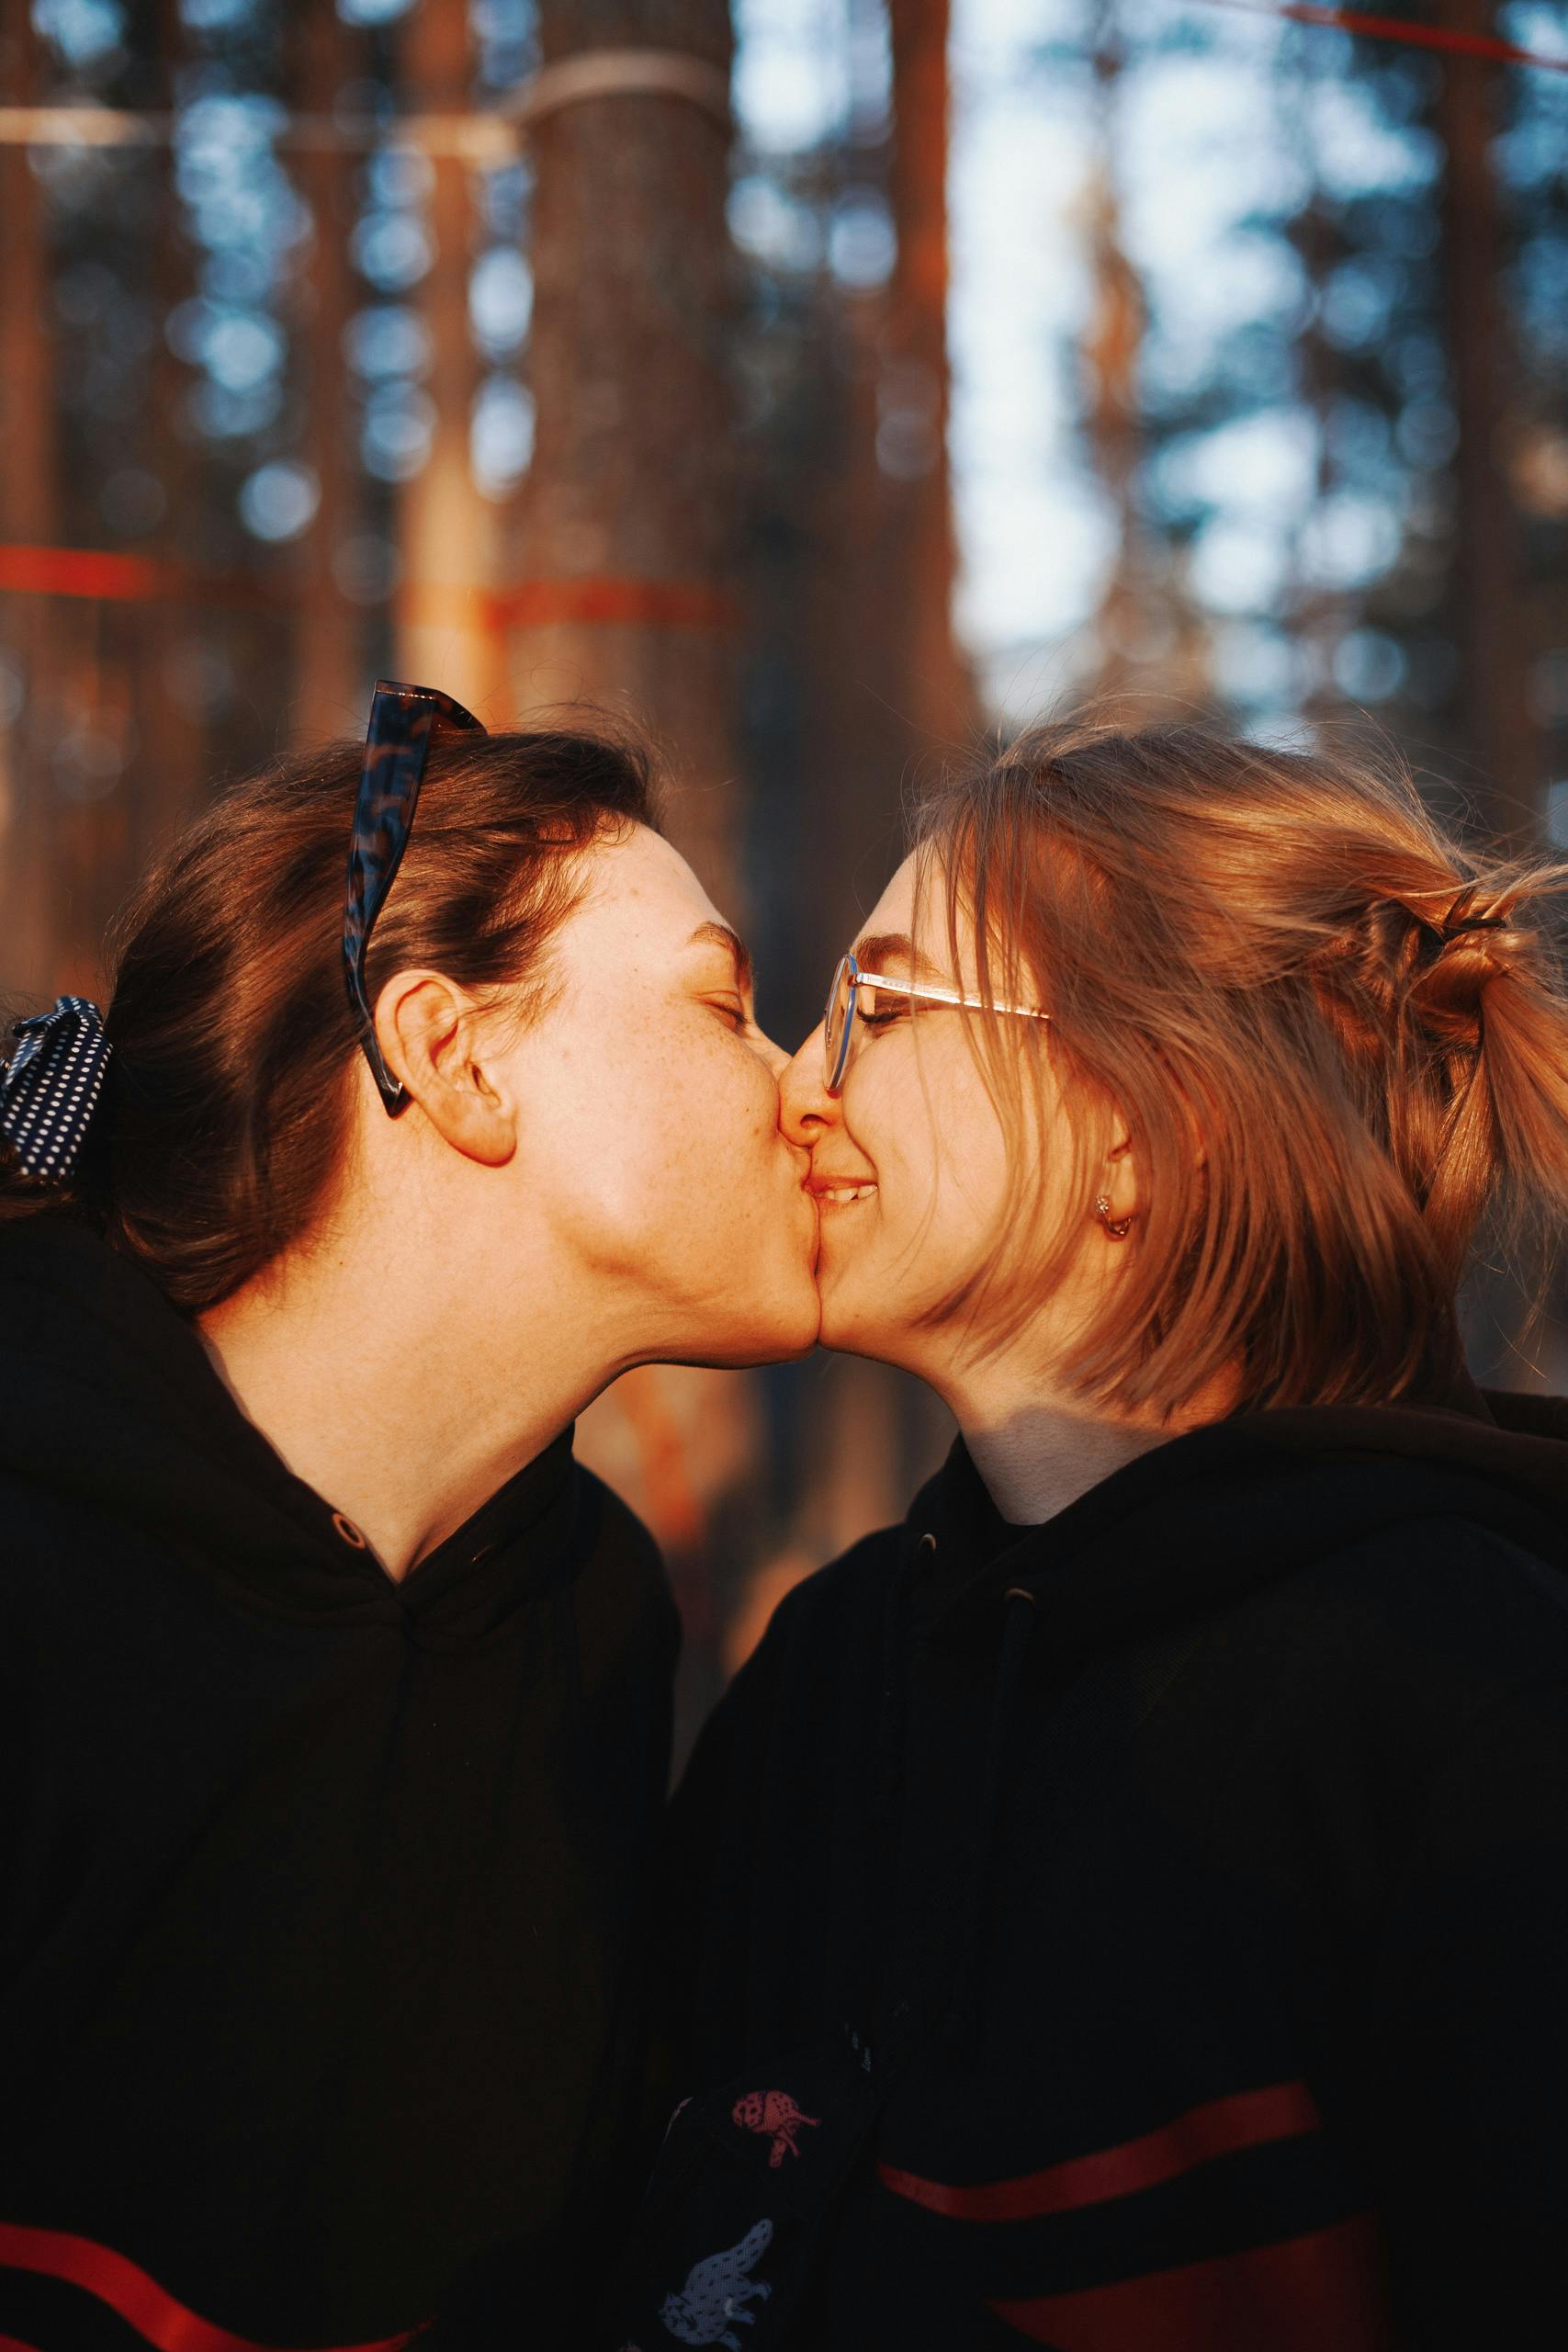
327 683
624 529
937 691
889 692
1500 738
28 912
443 637
168 775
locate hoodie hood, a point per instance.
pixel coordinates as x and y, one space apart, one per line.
1222 1510
109 1399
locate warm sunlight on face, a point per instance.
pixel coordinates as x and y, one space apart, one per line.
650 1141
910 1160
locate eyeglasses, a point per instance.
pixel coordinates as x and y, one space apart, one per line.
396 743
850 981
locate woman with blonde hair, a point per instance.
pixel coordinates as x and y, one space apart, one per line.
1127 1905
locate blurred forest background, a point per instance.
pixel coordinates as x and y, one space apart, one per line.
830 383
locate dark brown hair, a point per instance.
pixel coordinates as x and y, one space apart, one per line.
1338 1041
228 1107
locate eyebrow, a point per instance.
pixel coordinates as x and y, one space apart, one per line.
719 934
879 946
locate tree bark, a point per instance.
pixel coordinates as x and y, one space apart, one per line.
937 691
1499 735
327 688
623 540
167 777
887 690
444 634
27 515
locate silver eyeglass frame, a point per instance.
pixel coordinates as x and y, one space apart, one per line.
836 1057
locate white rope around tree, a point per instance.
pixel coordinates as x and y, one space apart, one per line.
490 136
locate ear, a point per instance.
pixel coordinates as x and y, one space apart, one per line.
1124 1172
428 1030
1120 1184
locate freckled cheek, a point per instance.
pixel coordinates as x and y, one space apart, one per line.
748 1095
715 1119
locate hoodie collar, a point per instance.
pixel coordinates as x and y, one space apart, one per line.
108 1397
1221 1510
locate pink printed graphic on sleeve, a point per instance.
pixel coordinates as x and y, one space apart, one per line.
775 2115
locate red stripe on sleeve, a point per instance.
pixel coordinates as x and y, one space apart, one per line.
1302 2296
1248 2120
139 2299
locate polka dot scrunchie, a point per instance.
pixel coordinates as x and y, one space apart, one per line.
49 1088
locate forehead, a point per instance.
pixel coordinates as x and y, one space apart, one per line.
921 914
893 910
641 896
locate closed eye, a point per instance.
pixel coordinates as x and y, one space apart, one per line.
731 1011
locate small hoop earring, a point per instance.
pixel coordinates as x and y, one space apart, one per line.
1118 1227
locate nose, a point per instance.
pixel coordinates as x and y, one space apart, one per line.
806 1110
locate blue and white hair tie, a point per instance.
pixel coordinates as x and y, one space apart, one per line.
49 1088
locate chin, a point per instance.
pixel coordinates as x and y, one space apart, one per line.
784 1338
779 1330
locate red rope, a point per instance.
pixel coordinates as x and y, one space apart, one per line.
108 577
1396 28
115 579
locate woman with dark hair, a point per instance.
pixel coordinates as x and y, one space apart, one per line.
335 1696
1127 1905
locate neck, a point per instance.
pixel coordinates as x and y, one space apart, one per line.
1042 1459
1038 1450
404 1386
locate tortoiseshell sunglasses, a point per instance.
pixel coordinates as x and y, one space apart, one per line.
396 743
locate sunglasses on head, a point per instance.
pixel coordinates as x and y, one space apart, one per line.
397 742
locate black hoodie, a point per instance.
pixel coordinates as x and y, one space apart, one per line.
317 1892
1202 1856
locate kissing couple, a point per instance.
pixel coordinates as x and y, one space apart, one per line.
1122 1906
